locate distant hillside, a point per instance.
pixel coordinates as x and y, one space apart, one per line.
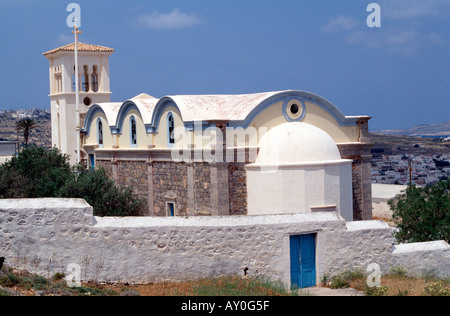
439 129
40 136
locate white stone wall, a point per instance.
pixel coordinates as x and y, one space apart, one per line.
46 235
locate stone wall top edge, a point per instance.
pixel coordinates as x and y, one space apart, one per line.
366 225
421 246
46 203
217 221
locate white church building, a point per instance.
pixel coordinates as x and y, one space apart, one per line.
263 153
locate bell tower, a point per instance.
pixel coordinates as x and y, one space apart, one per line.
94 87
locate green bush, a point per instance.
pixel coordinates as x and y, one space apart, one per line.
377 291
423 214
439 288
40 173
102 194
399 273
342 280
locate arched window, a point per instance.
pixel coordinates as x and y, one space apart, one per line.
85 79
133 132
170 130
100 133
94 82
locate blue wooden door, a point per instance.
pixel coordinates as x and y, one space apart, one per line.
92 161
171 209
303 261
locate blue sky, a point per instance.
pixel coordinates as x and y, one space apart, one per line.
398 73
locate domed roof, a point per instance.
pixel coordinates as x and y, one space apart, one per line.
297 142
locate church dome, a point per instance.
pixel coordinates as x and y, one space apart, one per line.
297 142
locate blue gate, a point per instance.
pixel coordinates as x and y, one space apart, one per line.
303 261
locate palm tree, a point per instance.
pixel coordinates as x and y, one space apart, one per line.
26 125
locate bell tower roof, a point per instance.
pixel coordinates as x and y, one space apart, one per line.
82 47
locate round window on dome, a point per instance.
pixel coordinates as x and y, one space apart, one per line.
294 110
87 101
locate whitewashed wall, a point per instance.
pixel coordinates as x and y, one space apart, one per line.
46 235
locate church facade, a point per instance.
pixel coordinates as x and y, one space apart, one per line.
264 153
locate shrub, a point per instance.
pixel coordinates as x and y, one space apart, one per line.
9 280
102 194
377 291
342 280
439 288
40 173
34 173
399 272
423 214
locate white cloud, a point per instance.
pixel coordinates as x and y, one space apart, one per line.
413 9
340 23
173 20
396 41
401 36
64 39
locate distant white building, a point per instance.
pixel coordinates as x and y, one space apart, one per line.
7 150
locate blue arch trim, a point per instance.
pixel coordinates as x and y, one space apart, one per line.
165 102
94 109
125 107
159 109
303 97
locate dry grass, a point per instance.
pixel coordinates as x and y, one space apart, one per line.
225 286
396 286
22 283
397 283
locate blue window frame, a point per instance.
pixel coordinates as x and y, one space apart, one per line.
171 209
170 130
100 133
133 132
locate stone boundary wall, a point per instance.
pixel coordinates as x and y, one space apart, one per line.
44 236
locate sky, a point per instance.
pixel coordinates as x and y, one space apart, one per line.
398 73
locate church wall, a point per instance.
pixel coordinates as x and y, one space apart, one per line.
238 188
133 174
202 187
170 185
361 178
195 187
106 166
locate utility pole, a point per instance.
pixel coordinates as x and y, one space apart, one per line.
77 93
410 171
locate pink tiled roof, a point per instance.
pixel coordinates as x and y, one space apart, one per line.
83 47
